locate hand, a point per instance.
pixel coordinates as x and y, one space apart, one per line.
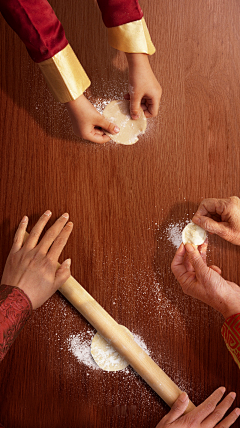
220 216
32 266
207 415
205 283
144 89
88 123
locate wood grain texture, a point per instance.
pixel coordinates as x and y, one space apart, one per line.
124 201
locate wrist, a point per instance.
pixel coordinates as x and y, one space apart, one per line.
230 308
137 59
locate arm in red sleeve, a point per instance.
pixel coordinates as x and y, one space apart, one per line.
127 30
37 26
15 309
119 12
40 30
231 334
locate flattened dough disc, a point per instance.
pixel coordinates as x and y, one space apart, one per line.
105 356
119 113
193 234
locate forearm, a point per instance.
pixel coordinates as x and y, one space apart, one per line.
15 309
43 35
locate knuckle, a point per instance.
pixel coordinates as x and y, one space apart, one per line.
218 415
51 235
60 242
210 407
34 234
48 263
191 421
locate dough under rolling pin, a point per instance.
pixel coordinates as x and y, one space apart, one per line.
122 341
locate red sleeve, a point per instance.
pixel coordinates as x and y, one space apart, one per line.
119 12
37 25
231 334
15 309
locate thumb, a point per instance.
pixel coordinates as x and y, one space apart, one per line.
196 260
178 408
210 225
108 126
63 273
135 106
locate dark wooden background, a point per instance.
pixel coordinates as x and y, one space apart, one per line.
123 201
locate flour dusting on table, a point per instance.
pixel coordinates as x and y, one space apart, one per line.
80 346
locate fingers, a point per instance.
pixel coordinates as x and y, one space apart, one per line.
230 419
110 127
220 411
60 242
52 233
210 207
210 225
152 105
62 274
36 231
216 269
208 406
178 408
19 235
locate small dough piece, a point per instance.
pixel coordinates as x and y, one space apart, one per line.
193 234
118 112
105 356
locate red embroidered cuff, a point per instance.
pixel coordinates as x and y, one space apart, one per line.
15 309
231 335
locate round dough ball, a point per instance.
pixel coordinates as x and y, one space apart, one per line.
118 112
105 356
193 234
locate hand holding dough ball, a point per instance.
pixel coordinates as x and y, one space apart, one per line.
119 113
193 234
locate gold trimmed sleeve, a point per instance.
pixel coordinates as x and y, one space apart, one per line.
132 37
64 75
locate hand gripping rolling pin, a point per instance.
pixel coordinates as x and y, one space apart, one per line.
122 342
120 339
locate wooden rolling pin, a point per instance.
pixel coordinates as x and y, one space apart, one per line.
121 341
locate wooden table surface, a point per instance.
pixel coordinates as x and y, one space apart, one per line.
128 205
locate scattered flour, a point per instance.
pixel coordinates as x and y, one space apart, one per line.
174 233
80 346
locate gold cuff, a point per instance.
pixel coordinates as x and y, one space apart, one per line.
132 37
65 76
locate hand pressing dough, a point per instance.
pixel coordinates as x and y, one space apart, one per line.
193 234
105 356
118 112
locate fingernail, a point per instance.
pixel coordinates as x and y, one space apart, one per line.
48 213
237 411
70 224
116 129
222 389
135 116
183 397
65 215
233 395
25 219
68 263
